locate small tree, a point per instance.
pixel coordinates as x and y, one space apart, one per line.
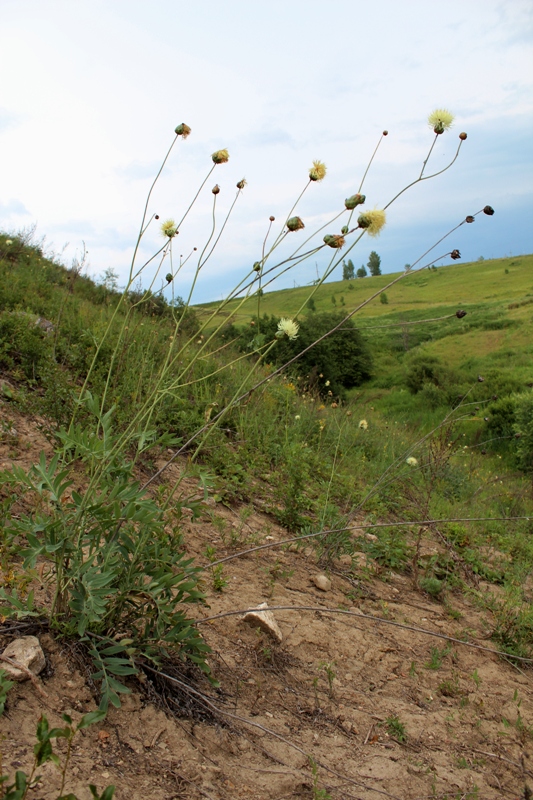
348 270
374 263
361 272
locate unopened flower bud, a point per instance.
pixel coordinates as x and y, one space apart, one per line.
462 136
334 240
470 218
455 254
488 210
344 230
295 224
168 277
216 189
354 200
220 157
257 266
182 130
460 313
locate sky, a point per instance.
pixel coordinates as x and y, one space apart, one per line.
92 91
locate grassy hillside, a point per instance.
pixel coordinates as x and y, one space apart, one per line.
457 284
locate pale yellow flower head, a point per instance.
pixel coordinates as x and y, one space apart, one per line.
363 424
169 228
373 221
317 171
412 461
440 120
220 157
287 327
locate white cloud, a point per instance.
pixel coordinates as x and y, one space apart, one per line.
97 88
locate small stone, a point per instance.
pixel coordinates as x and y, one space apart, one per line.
322 582
345 560
264 619
27 652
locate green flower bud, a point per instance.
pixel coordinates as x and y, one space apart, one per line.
182 130
354 200
295 224
334 240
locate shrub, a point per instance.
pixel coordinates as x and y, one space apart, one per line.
423 370
24 348
342 358
523 428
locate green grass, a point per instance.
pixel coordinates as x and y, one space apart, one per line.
456 284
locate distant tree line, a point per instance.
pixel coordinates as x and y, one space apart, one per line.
374 268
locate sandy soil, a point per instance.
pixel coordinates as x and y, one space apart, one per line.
310 717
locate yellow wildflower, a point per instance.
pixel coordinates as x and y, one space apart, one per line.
317 171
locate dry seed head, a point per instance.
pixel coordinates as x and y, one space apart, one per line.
455 254
317 171
385 133
295 224
271 218
462 136
220 157
216 189
470 218
241 184
488 210
182 130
